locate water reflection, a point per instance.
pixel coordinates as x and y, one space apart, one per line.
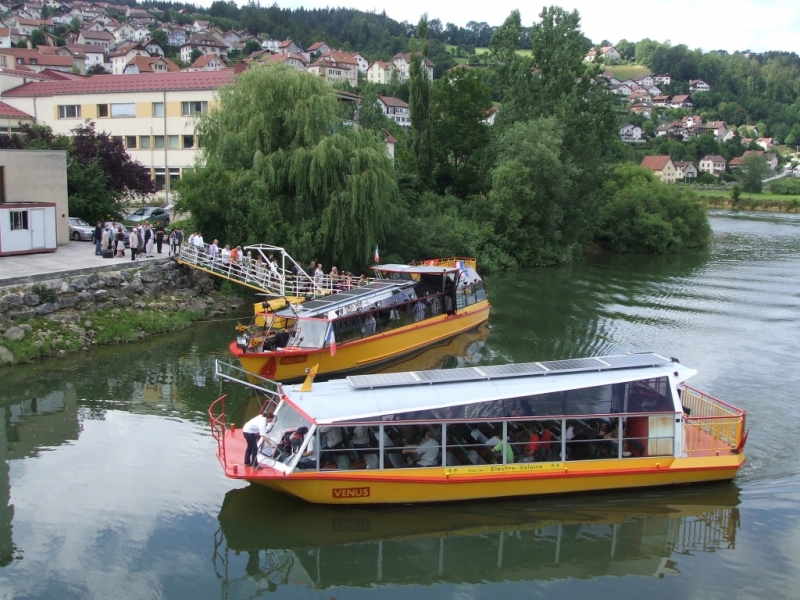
642 533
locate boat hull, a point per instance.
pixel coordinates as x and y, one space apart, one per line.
362 354
495 481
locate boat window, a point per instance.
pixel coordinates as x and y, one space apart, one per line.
347 448
287 421
309 333
536 440
478 443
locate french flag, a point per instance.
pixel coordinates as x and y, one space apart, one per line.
330 338
377 255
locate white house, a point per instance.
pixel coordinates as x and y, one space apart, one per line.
125 33
395 109
662 79
645 81
630 132
381 72
363 63
685 170
123 55
403 63
698 85
623 89
606 52
206 44
318 48
271 45
176 37
713 163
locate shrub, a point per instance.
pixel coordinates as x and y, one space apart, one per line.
647 216
46 294
789 186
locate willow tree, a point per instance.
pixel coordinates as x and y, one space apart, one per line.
279 166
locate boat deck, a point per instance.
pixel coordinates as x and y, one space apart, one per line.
700 443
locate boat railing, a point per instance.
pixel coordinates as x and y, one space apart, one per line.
216 416
710 421
272 389
449 263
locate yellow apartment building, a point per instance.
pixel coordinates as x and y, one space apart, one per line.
153 114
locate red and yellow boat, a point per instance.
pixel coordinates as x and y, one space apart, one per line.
359 325
612 422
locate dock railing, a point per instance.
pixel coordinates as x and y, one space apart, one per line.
710 421
448 262
287 279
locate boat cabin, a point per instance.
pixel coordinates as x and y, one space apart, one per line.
540 414
401 295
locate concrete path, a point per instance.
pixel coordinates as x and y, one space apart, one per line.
74 258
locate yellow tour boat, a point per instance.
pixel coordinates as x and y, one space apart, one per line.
611 422
357 325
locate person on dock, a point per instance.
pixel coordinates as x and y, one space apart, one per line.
149 238
134 242
179 237
173 239
119 240
255 429
159 235
97 238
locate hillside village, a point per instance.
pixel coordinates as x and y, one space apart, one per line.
643 96
103 61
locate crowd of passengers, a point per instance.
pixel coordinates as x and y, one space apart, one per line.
357 447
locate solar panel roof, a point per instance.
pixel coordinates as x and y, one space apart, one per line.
548 368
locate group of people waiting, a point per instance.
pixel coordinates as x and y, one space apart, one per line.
143 240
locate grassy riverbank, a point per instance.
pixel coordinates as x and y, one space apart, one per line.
764 201
107 326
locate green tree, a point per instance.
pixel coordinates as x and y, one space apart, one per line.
461 101
420 108
251 46
196 53
38 38
645 215
559 88
532 187
160 36
97 69
753 168
278 166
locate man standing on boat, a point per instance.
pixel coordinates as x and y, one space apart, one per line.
256 428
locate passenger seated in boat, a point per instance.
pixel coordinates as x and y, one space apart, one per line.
308 460
427 451
360 437
501 448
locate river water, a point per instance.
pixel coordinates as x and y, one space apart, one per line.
109 486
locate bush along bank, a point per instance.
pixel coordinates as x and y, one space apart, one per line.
65 315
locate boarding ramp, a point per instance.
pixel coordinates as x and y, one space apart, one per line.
284 278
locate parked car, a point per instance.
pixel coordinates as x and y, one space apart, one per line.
80 229
152 214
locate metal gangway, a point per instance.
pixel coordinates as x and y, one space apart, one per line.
267 269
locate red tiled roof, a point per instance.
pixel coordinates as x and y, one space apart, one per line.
26 54
203 60
145 64
315 46
656 163
9 112
714 158
142 82
61 74
681 98
337 56
97 35
392 101
388 136
26 72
